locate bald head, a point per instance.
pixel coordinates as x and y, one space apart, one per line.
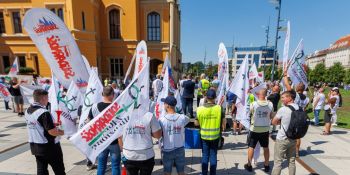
262 94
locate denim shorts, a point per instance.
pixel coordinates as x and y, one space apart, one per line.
176 156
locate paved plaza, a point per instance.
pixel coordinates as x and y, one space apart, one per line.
320 154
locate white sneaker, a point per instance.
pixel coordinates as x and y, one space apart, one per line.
334 124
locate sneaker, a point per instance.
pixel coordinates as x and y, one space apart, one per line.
267 168
248 168
334 124
91 167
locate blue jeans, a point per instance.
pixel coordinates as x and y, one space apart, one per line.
114 152
188 106
209 153
176 156
317 115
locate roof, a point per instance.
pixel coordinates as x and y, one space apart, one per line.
343 42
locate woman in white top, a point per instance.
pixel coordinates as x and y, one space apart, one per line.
334 93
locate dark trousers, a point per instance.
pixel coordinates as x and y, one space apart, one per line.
54 159
7 105
199 97
188 106
209 154
144 167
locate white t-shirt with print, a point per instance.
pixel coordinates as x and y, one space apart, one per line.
137 137
173 126
284 114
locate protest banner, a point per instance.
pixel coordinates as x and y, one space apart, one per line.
14 68
27 92
92 95
240 87
57 45
297 68
4 93
107 126
57 103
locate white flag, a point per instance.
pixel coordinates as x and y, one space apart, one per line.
87 64
240 87
297 68
286 47
73 100
4 92
178 107
27 92
14 68
57 102
159 107
100 132
141 58
57 45
92 95
223 74
253 72
256 89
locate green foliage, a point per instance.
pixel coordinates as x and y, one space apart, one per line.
335 74
346 79
318 74
268 73
22 70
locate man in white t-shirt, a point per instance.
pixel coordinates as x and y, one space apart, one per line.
262 111
137 143
173 126
157 86
318 105
284 146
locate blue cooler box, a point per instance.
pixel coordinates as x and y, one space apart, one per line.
192 138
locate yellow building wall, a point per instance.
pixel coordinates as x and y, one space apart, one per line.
94 41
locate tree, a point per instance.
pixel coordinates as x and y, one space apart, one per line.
335 74
318 73
346 79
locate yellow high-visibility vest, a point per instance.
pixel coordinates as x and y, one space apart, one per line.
205 84
209 119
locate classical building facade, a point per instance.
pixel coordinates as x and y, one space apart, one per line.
339 51
259 56
106 31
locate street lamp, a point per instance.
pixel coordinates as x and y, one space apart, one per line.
278 7
267 32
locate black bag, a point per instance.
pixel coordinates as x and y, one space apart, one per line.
299 124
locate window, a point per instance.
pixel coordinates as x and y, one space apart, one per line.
240 55
114 24
83 19
267 61
153 26
16 18
250 56
239 61
22 61
256 59
117 67
6 61
2 23
58 12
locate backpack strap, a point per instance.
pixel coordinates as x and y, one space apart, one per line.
291 107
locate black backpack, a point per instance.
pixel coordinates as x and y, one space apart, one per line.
299 124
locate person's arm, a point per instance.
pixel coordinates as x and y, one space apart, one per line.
155 128
223 119
46 121
233 108
286 82
315 102
16 86
277 119
120 142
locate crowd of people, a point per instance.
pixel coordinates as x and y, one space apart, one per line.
134 148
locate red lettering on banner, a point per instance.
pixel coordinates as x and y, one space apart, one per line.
60 56
3 91
101 123
140 64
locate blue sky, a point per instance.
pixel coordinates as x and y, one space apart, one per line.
206 23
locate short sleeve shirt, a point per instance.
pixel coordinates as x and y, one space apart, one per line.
284 114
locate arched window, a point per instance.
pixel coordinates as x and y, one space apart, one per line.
153 26
114 24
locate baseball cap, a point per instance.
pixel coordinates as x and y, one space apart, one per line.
170 100
335 88
211 94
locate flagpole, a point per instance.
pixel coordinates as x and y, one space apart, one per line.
276 39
